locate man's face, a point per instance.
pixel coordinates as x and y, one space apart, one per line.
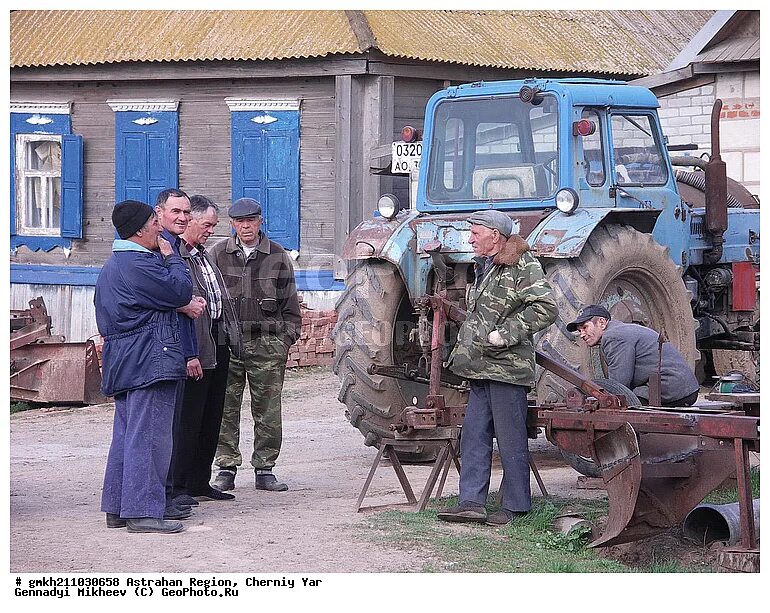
201 227
247 229
175 214
150 232
591 331
484 241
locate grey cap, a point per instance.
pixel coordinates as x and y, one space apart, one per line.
245 207
491 218
586 313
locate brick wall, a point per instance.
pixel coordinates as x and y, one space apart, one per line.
686 118
315 346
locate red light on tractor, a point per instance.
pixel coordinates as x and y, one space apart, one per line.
584 127
409 134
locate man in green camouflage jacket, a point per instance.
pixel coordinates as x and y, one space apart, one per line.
509 301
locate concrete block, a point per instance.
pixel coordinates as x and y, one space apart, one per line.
740 133
734 161
751 84
751 167
690 130
729 85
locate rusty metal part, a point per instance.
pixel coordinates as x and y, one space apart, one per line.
45 369
716 191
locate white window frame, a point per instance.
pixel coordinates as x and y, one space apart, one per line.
23 227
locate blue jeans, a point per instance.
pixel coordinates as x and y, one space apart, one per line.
138 461
495 410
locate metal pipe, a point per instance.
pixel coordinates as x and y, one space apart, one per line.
708 523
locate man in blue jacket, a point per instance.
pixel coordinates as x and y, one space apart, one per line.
136 298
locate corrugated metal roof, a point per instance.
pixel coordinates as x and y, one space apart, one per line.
96 37
614 42
619 42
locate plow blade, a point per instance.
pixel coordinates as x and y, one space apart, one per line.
654 480
56 373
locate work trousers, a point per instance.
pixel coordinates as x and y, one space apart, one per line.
263 364
495 410
197 432
140 453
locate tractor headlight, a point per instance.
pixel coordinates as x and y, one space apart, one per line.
388 206
567 200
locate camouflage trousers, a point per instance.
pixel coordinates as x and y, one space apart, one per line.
263 364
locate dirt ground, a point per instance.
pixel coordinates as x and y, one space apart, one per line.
57 458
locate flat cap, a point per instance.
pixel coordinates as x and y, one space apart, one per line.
245 207
491 218
586 313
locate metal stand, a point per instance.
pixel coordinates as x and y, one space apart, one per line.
447 454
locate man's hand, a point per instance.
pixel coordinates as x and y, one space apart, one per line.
495 339
165 247
194 369
194 309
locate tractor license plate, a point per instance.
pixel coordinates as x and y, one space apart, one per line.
406 157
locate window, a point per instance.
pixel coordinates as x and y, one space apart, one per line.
637 154
38 196
592 151
46 199
493 149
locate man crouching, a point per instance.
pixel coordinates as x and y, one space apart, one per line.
509 301
136 300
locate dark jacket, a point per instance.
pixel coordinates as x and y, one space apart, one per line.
186 324
261 287
631 353
136 299
512 297
229 328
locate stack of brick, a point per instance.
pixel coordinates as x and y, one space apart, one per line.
315 346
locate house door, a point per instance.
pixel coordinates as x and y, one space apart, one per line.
146 154
265 166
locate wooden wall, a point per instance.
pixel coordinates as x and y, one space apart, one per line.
204 153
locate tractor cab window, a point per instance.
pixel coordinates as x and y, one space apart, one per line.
593 154
493 149
637 152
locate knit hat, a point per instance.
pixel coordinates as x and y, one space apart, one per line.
494 219
129 216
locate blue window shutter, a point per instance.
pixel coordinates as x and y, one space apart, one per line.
72 186
146 154
265 166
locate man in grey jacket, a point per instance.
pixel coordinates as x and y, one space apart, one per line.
632 356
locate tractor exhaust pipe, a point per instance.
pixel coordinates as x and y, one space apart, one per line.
708 523
716 191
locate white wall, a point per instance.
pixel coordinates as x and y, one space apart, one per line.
686 118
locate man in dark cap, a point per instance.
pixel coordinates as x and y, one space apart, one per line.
509 301
137 294
259 276
632 354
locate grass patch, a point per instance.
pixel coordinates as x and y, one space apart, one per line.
728 495
525 545
18 407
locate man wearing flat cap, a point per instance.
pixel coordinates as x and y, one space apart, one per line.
137 294
509 301
259 276
632 354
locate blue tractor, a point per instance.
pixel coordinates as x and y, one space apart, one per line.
582 166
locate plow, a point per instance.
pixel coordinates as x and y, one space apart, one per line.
656 463
46 369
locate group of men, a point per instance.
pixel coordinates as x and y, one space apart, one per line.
184 328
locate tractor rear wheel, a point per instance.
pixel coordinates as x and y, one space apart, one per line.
375 319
